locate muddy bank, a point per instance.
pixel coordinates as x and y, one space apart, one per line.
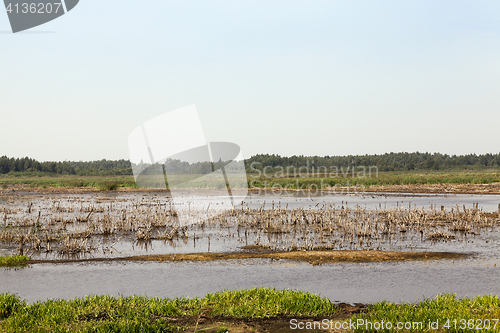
492 188
27 190
278 324
312 257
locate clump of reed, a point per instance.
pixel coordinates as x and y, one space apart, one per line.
106 224
143 233
437 235
108 186
75 247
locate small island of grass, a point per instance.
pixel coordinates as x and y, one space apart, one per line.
13 260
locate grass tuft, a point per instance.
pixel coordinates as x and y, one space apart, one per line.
267 303
108 186
13 260
442 308
9 304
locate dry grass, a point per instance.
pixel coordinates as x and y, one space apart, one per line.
69 227
312 257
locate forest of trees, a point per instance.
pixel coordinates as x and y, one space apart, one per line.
93 168
385 162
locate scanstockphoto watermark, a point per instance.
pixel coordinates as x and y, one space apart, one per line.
311 188
329 324
309 177
311 171
406 326
26 14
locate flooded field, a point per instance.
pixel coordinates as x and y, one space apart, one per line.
116 225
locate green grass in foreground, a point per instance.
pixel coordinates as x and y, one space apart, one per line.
141 314
452 314
13 260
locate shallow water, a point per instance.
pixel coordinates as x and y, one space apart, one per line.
61 213
487 203
364 283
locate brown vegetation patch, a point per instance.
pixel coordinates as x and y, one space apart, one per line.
312 257
492 188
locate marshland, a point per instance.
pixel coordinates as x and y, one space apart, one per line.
347 246
284 197
96 225
60 245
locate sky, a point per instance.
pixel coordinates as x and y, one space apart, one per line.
279 77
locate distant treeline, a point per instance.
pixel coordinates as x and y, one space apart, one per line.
93 168
179 167
385 162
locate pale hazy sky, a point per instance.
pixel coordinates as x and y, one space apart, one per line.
286 77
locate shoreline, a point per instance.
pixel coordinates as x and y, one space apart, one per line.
473 189
246 310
